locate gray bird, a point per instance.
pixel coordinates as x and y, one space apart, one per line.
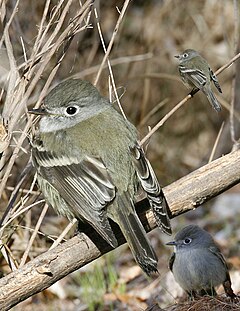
198 264
197 74
90 167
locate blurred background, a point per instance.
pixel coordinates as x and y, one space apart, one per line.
148 84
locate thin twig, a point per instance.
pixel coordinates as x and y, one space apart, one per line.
236 43
8 256
107 51
164 119
114 62
63 234
13 74
39 222
216 143
157 75
146 93
43 29
21 190
228 64
153 111
22 211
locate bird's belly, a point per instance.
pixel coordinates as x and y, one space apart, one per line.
198 269
186 81
54 199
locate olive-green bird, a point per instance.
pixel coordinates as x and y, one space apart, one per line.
197 74
90 166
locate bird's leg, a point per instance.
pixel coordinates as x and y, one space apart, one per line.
192 295
209 292
193 91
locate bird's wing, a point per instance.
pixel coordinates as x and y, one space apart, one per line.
152 188
227 283
196 76
215 80
216 251
85 186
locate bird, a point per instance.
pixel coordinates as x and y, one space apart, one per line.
198 264
90 166
197 74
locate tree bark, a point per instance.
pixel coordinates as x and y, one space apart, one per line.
183 195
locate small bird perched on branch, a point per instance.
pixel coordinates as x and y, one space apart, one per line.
90 166
198 264
197 74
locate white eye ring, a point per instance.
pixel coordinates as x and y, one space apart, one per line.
187 241
71 110
185 55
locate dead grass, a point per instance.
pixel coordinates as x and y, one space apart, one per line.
207 304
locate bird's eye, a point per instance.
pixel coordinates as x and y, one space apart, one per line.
185 55
187 241
71 110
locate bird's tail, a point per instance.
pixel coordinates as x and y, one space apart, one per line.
134 233
228 287
212 98
153 190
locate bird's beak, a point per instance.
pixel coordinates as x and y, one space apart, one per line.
177 56
171 243
38 111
